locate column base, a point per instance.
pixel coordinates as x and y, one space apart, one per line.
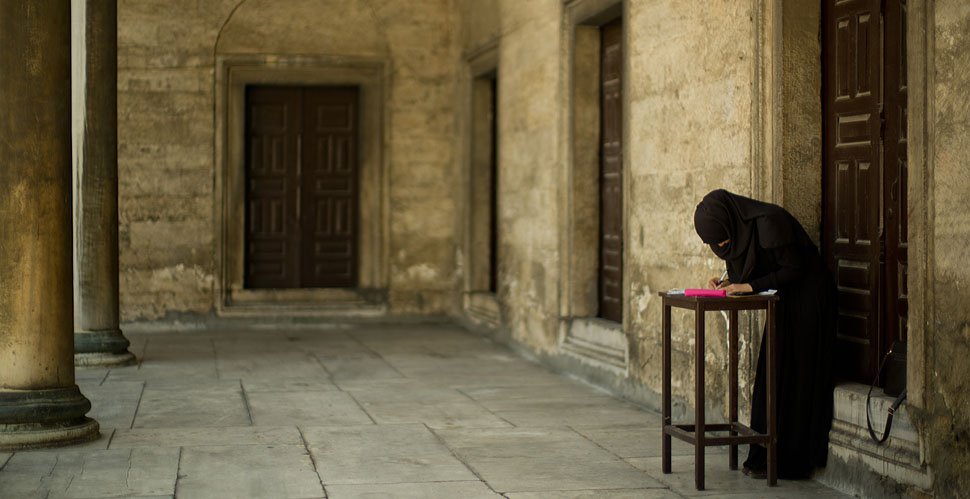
17 437
31 419
105 359
106 348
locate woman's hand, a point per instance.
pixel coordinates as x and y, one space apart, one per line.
733 289
717 283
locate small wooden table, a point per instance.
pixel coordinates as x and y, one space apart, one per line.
739 434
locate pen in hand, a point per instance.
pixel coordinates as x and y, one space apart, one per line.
721 280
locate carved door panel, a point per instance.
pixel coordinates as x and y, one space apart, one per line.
611 172
272 186
329 188
864 163
301 187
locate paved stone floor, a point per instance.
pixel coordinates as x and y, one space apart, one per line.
423 411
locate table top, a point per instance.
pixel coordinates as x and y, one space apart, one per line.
737 302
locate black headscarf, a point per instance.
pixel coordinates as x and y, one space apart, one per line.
748 224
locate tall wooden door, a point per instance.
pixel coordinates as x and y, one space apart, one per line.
301 187
611 172
864 156
493 186
894 183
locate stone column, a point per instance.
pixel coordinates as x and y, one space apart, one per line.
40 404
98 340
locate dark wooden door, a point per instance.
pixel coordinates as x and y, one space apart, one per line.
301 187
329 188
611 172
894 184
863 178
272 187
493 187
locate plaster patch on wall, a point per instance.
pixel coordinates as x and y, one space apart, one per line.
169 274
421 272
640 299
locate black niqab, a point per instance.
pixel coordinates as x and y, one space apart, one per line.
747 224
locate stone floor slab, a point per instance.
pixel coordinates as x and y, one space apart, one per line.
137 344
265 343
327 345
269 365
401 390
3 459
592 410
557 473
330 408
459 414
180 437
457 370
192 404
89 375
382 454
597 494
561 390
641 440
359 368
537 459
522 443
177 356
85 474
719 481
255 385
464 490
509 379
113 403
274 471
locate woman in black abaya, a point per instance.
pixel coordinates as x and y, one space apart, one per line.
766 248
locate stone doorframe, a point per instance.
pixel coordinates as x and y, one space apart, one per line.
480 305
594 342
787 157
788 153
233 74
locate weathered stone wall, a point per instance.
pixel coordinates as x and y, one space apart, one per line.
479 23
689 131
529 100
690 109
947 416
165 177
170 226
422 101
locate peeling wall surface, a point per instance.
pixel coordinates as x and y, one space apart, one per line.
697 109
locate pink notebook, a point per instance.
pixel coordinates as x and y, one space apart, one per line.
705 292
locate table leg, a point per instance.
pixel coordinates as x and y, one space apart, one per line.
772 387
665 388
699 429
733 384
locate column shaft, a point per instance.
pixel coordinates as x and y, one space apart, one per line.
40 404
98 340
